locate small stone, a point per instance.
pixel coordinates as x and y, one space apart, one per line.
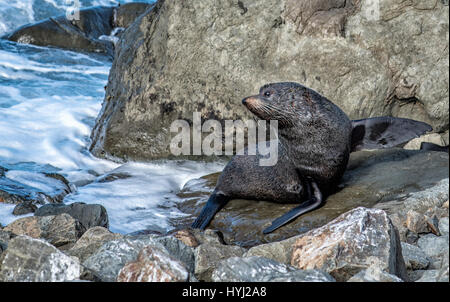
411 237
208 256
433 225
445 205
429 276
433 246
91 241
374 274
153 265
416 222
259 269
280 251
187 238
34 260
90 215
24 208
443 225
415 258
109 259
57 230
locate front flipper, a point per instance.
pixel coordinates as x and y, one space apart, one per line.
385 132
313 202
215 203
433 147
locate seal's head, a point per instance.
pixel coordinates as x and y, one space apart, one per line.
314 132
286 102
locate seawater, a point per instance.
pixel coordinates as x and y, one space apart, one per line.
49 100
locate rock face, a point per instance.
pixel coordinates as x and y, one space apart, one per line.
191 56
258 269
90 215
33 260
394 180
350 243
127 13
153 265
57 230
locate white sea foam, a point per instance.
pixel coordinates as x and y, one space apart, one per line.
49 100
146 199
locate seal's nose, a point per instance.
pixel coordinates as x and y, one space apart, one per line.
244 101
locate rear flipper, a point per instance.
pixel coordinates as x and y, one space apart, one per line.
314 201
215 203
433 147
385 132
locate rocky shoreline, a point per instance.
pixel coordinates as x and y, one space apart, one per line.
402 236
361 245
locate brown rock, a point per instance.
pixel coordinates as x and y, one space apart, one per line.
187 238
416 222
57 230
208 256
91 241
153 265
352 242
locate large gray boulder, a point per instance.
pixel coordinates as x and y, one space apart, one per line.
34 260
199 56
90 215
352 242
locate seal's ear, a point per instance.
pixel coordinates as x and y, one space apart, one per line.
385 132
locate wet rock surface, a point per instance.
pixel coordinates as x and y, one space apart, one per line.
387 179
89 215
81 35
28 188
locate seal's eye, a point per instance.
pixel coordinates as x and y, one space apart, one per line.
267 93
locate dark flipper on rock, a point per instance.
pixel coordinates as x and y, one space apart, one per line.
433 147
215 203
313 202
385 132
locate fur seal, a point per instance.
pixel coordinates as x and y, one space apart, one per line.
315 140
433 147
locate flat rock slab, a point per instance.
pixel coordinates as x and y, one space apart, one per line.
372 178
34 260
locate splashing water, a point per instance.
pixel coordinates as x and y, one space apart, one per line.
49 100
